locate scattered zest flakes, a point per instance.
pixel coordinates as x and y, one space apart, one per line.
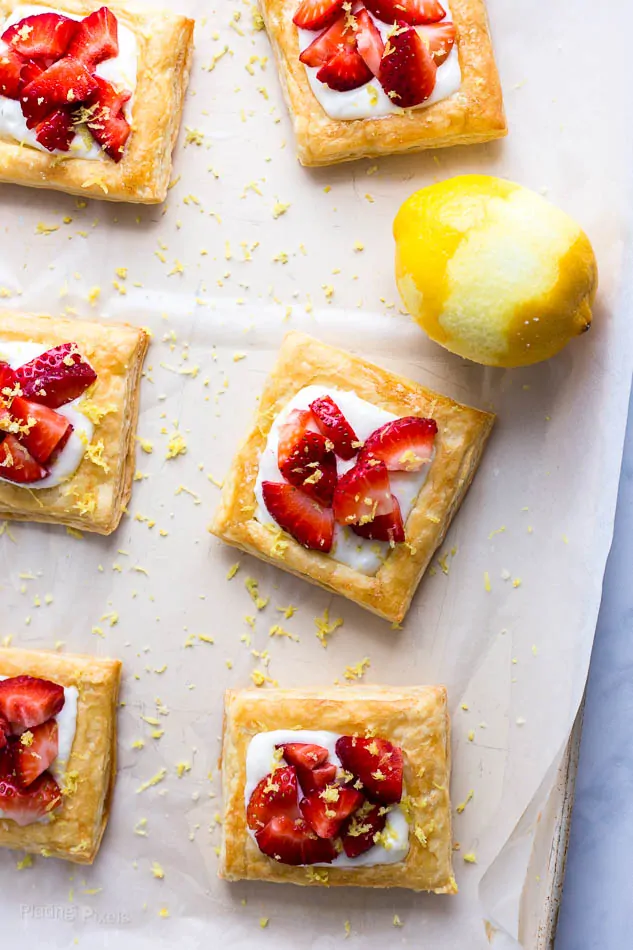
397 922
259 679
145 444
463 804
358 671
26 862
183 767
157 870
232 571
278 631
160 775
252 586
487 586
263 922
176 445
470 857
325 628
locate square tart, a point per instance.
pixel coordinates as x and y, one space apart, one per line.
462 435
76 828
414 718
95 496
165 49
473 114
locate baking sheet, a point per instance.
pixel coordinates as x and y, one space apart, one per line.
248 246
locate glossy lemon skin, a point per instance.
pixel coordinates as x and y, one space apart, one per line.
492 271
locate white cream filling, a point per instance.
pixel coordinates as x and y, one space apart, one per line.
66 728
359 553
16 353
120 71
260 761
371 101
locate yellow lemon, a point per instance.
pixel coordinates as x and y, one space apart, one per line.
492 271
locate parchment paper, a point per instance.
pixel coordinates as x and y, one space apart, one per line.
540 509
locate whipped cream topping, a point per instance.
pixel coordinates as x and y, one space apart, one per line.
16 353
361 554
371 101
261 760
120 71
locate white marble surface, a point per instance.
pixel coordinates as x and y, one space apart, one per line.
597 908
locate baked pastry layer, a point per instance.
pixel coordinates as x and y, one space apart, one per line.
462 435
76 828
165 48
472 114
94 498
414 718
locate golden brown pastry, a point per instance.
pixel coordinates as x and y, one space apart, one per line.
413 720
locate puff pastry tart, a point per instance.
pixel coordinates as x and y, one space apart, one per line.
69 397
350 475
91 97
338 787
374 77
57 752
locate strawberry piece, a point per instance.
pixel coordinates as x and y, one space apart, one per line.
65 83
304 458
305 519
440 39
384 527
326 45
369 41
404 445
363 493
10 67
107 123
326 810
48 430
43 36
335 427
410 11
346 70
5 732
311 780
26 701
376 763
7 378
408 71
25 805
56 377
274 795
96 39
303 754
28 73
317 14
35 757
17 464
56 131
359 831
293 842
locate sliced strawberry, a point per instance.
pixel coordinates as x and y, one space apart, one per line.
410 11
17 464
312 468
56 377
5 732
383 527
317 14
28 73
311 780
34 757
48 430
335 427
96 39
56 131
346 70
25 805
43 36
7 379
303 754
306 520
363 493
107 123
274 795
359 831
10 67
26 701
408 71
65 83
294 842
404 445
326 810
376 763
440 39
369 41
324 47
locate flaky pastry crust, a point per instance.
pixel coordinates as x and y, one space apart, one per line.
165 49
414 718
461 438
95 496
472 114
76 828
